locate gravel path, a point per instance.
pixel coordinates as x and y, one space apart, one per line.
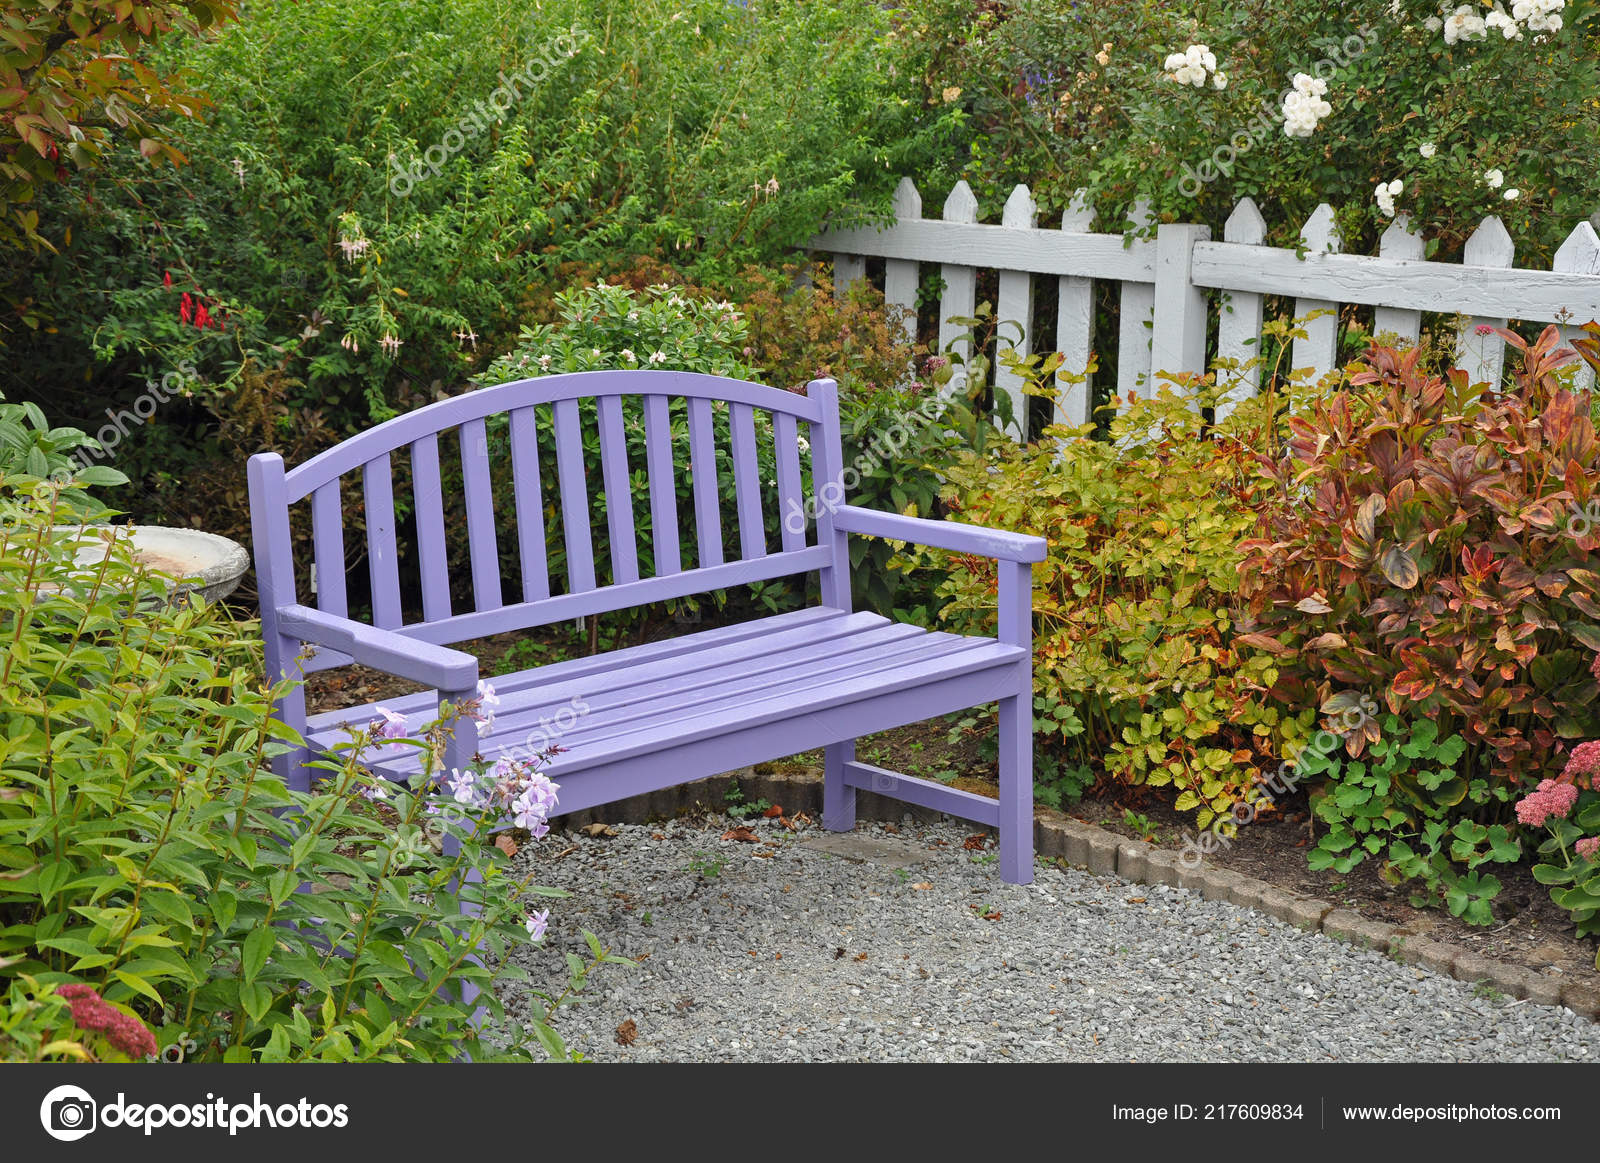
782 951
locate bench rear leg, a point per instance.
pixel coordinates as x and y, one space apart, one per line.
1016 789
838 801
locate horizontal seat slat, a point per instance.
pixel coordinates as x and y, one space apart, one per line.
728 697
708 688
816 620
626 693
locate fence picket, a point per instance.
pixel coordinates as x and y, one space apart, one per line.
1579 255
901 277
1239 318
1137 318
1481 352
1399 241
960 297
1319 350
1014 306
1075 322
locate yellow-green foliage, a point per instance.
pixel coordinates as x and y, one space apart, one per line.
1137 668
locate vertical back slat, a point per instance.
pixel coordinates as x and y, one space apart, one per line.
747 482
1319 350
960 296
574 496
1240 317
483 548
1014 309
827 484
1401 242
327 544
1478 349
663 486
427 494
791 499
1136 317
703 470
619 491
1075 323
377 487
529 504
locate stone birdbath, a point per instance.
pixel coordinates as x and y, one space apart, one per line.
210 566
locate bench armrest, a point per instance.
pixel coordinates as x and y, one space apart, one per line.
436 666
951 535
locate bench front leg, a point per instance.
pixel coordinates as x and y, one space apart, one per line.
1016 729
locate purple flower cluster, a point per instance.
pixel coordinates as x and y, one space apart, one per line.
511 788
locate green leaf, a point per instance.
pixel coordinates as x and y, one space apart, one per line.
255 998
1399 568
257 947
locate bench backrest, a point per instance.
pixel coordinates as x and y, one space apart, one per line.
546 411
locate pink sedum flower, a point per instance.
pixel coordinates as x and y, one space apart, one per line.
1586 847
1549 799
1584 762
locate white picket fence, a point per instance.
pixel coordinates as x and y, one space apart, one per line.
1172 283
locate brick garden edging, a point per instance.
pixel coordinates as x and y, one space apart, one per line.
1105 853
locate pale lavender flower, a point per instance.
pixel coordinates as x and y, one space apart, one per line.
537 923
463 786
388 725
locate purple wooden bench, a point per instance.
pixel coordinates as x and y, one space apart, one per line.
656 715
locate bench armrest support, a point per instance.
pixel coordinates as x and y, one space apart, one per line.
951 535
440 667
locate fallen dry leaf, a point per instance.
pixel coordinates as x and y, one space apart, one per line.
506 844
773 812
973 843
861 956
599 829
658 835
1136 900
627 1032
742 834
923 884
838 952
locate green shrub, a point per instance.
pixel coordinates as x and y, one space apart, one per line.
1408 798
707 133
146 850
1423 542
1138 666
1065 95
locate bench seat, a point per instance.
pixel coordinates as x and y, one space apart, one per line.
652 716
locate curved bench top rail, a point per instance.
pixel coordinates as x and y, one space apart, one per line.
476 405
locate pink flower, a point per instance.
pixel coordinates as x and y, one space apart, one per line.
92 1013
1484 329
1584 761
1549 799
388 725
1586 847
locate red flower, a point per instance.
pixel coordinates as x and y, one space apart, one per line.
166 278
185 308
202 317
91 1012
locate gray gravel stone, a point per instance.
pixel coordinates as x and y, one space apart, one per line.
774 951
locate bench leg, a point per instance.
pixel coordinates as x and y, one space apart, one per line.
838 801
459 749
1016 789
